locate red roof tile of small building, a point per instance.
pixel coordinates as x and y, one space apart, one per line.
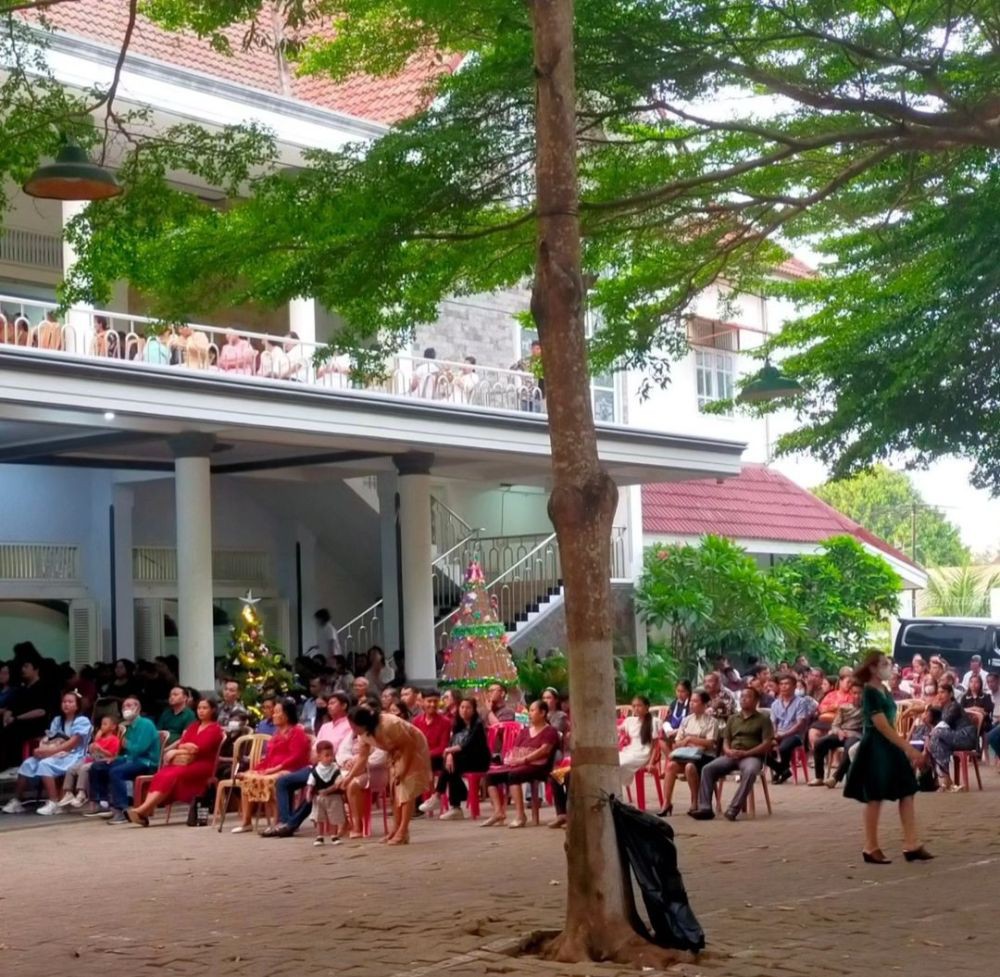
795 268
759 503
382 100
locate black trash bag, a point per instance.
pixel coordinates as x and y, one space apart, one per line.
646 846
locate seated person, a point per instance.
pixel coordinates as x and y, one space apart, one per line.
955 731
105 746
265 724
978 701
289 749
62 748
375 779
845 731
530 760
638 735
748 739
679 708
110 780
467 752
27 713
694 747
187 767
176 718
436 728
790 715
722 702
829 704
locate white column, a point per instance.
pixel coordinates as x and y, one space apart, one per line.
309 602
389 556
78 322
416 556
635 554
193 487
123 500
302 319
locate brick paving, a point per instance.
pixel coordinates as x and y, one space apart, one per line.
785 896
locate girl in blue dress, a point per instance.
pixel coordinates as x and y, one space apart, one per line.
64 746
882 768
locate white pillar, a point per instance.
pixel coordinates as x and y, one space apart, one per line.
389 558
193 488
416 556
78 322
309 600
123 500
302 320
634 556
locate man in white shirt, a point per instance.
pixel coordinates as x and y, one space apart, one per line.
327 643
975 668
424 382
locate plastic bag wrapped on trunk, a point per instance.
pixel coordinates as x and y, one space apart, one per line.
646 846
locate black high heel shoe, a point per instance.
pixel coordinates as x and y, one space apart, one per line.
918 855
876 857
666 811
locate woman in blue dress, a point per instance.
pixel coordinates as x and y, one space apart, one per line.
64 746
882 768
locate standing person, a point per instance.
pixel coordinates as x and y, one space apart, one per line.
327 642
882 769
425 376
325 796
747 740
187 767
64 746
411 761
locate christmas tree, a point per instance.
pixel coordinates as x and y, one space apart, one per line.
257 663
477 653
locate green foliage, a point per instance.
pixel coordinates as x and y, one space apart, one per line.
258 663
840 593
884 502
534 675
961 592
653 675
713 598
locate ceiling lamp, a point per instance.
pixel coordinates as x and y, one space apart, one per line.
769 384
72 176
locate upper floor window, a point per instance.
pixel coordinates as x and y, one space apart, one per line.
715 345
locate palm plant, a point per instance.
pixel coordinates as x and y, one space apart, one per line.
959 592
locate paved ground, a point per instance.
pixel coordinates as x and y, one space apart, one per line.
778 897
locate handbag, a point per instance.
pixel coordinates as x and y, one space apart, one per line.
687 754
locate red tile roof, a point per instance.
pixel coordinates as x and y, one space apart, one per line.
759 503
383 100
794 268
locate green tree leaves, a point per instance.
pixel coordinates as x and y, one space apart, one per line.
887 503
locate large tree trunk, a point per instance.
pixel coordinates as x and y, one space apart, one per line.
582 507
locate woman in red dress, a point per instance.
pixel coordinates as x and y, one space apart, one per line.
187 767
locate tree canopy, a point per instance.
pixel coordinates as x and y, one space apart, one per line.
888 504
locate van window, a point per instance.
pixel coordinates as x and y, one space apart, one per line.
946 637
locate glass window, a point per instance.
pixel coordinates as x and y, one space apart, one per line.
945 637
715 372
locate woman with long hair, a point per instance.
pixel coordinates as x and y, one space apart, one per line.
639 734
882 769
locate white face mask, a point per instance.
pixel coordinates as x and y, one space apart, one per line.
128 714
885 671
234 725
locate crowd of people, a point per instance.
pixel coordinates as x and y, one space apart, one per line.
84 740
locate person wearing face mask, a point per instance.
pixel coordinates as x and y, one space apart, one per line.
140 755
882 768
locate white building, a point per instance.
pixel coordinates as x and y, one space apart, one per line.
141 499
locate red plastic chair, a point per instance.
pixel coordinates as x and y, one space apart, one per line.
640 787
366 812
799 760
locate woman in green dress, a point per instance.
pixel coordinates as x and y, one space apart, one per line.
882 769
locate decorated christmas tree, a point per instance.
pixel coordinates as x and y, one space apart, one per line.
477 653
256 662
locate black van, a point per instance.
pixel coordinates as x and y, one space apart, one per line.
956 639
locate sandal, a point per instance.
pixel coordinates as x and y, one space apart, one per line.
517 823
494 821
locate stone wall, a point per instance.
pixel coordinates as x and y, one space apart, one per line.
548 632
482 326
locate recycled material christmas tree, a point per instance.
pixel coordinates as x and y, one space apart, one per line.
256 662
477 653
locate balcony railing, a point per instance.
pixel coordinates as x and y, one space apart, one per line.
126 340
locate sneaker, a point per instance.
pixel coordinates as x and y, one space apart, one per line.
431 805
103 810
79 800
13 806
319 842
48 809
67 799
118 818
452 814
336 840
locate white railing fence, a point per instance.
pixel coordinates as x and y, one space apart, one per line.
39 561
125 340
